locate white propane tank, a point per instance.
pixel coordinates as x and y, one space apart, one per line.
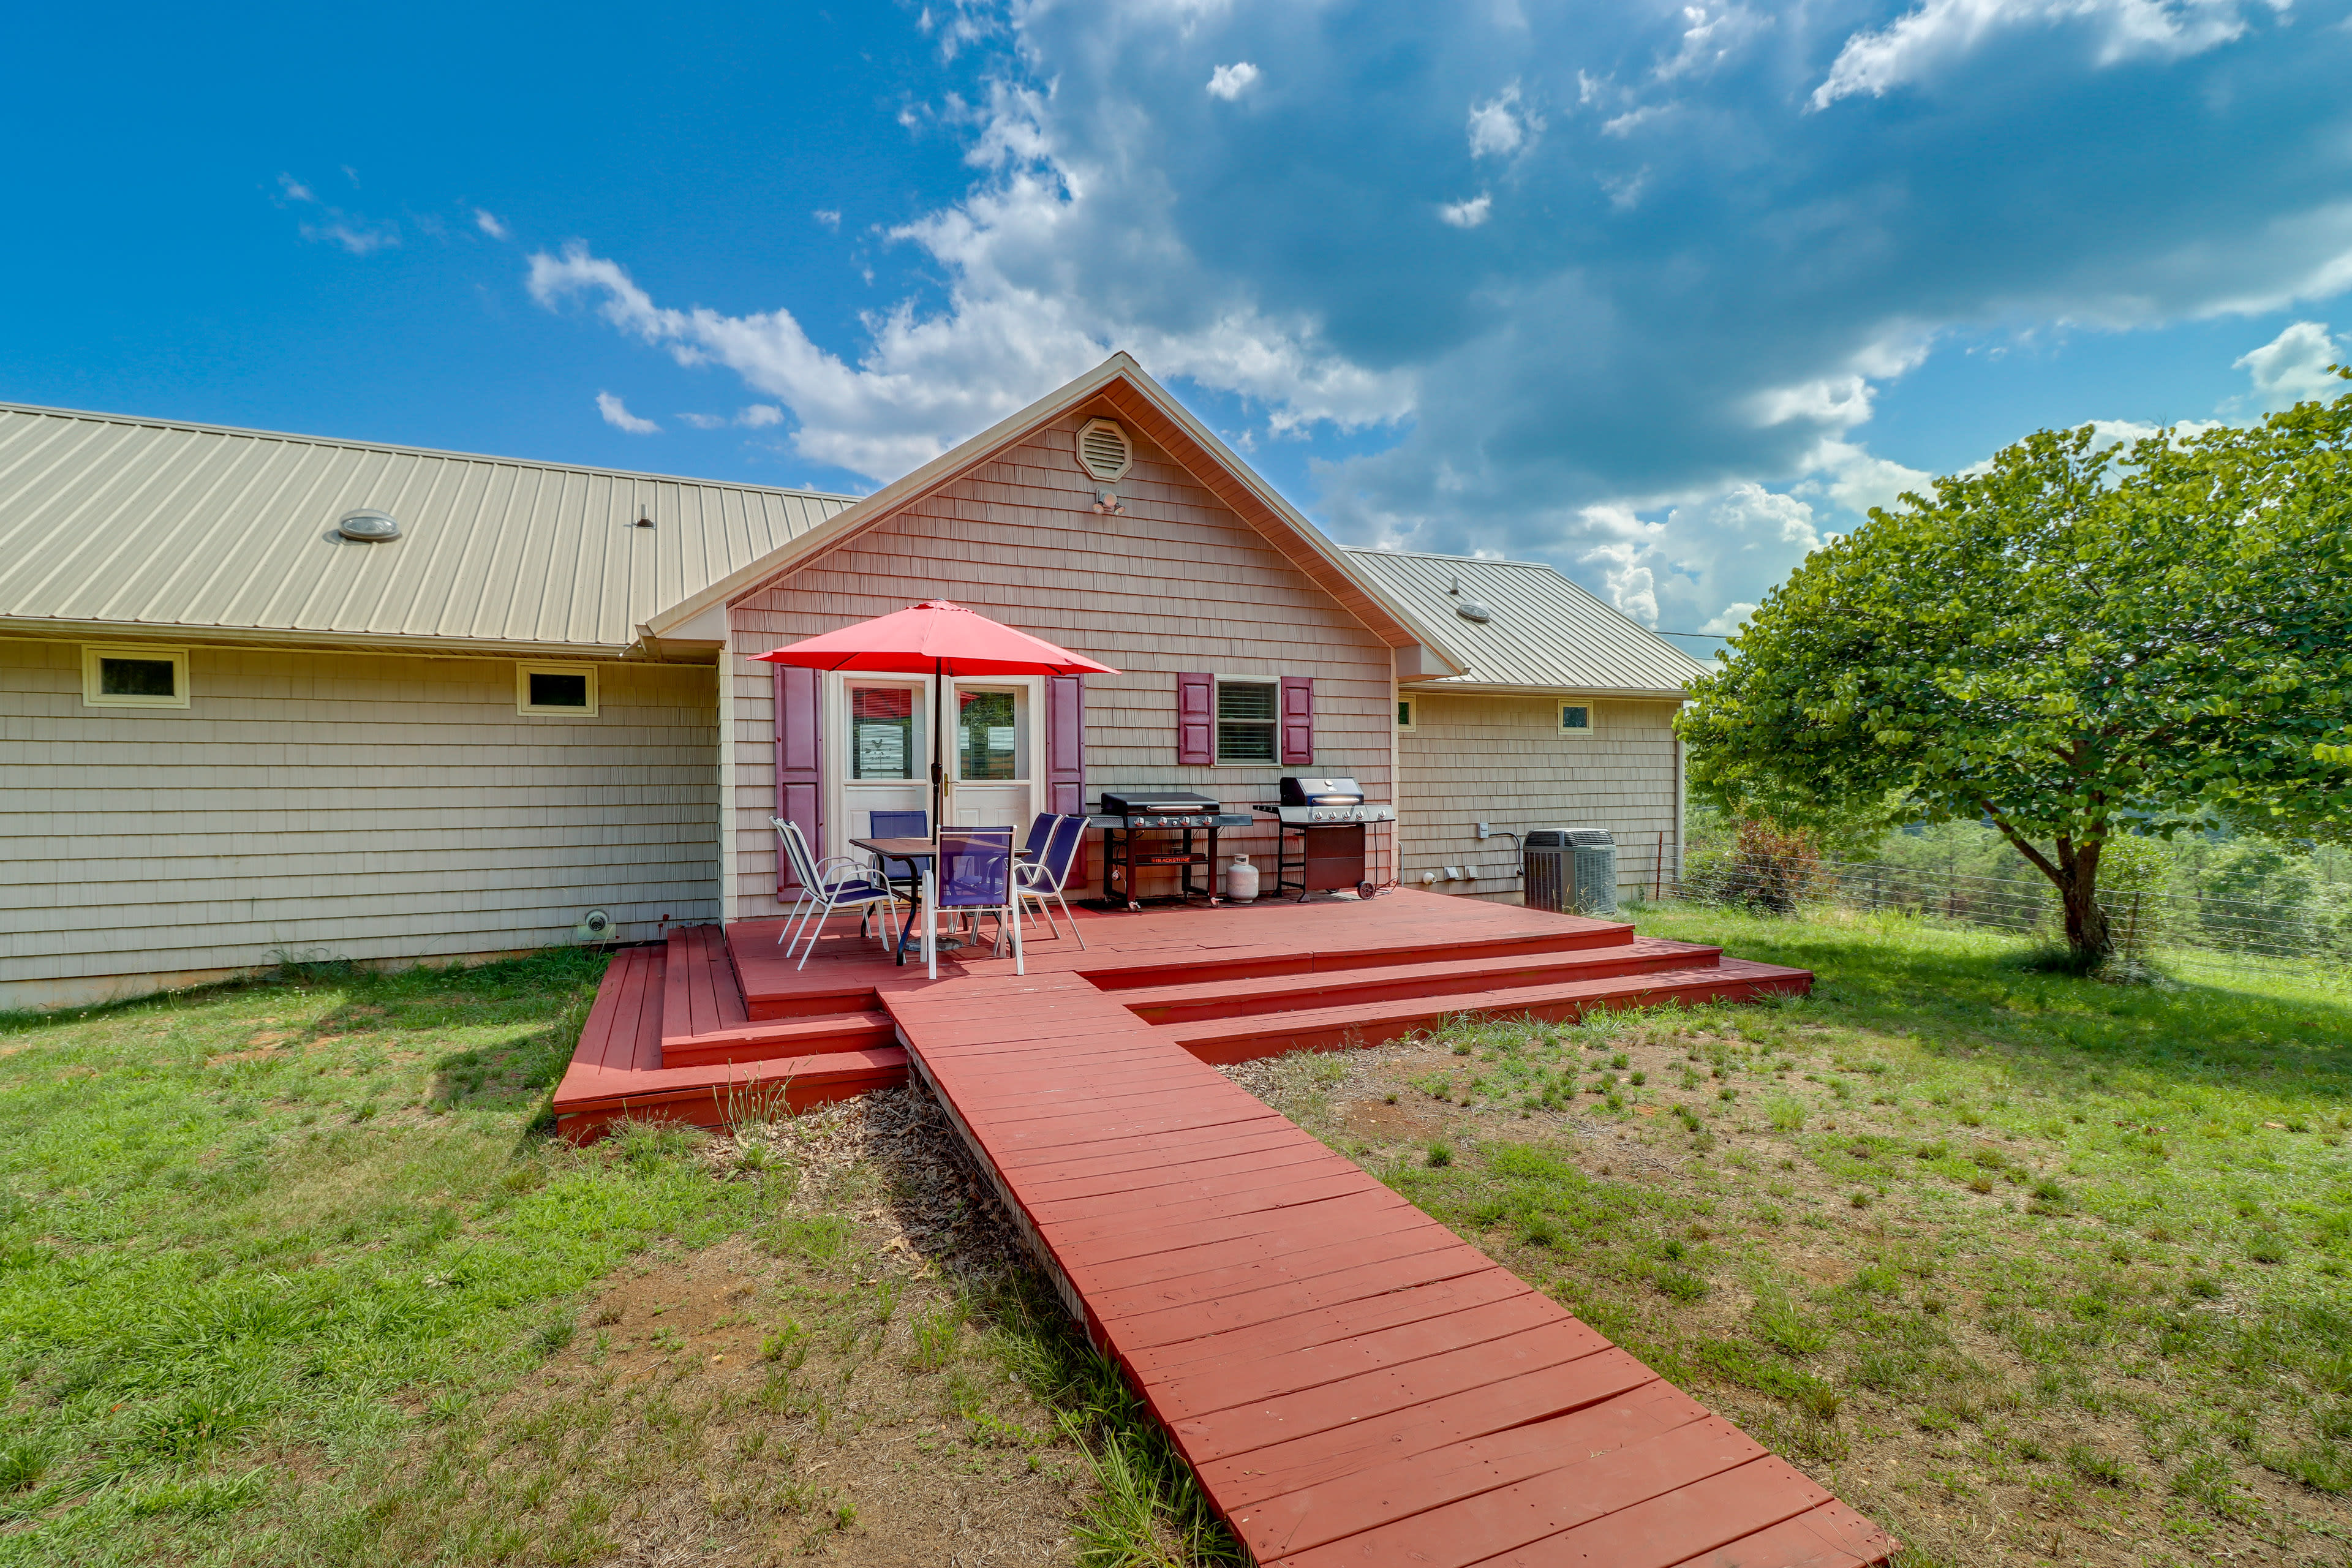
1241 880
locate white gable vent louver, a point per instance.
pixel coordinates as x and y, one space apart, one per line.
1103 450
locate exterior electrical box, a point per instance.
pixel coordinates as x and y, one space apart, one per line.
1570 870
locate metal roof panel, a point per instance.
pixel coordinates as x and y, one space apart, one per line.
1542 633
162 525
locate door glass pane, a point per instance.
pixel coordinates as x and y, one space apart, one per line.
991 736
886 733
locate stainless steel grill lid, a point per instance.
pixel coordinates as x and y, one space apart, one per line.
1161 802
1299 790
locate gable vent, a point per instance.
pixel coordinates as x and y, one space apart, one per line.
1103 450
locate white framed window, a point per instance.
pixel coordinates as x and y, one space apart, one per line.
1576 718
1408 709
565 690
1249 722
132 676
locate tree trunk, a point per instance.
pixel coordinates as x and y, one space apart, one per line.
2075 875
2078 892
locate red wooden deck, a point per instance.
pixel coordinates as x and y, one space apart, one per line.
1353 1383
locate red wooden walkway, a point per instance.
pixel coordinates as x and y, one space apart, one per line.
1352 1382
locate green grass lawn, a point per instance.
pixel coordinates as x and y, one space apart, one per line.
2029 1268
2032 1268
296 1273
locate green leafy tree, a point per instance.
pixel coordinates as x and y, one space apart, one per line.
2072 643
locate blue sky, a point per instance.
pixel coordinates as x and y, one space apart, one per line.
1661 293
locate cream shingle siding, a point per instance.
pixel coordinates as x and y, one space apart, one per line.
1180 583
1500 759
363 805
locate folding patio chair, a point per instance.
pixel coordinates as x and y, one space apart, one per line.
900 873
819 898
975 875
1045 876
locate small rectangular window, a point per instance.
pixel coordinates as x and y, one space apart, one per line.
1575 718
1248 712
569 690
134 676
1405 713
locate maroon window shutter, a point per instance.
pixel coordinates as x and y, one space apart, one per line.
1196 729
1298 722
800 786
1066 744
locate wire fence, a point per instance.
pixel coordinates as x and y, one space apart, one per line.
2311 938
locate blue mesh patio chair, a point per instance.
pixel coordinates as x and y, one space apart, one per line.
900 873
1044 877
1039 832
975 877
823 892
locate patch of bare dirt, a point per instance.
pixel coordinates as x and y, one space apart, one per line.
839 1385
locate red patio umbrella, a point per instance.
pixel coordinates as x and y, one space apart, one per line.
940 640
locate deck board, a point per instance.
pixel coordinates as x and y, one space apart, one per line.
1352 1382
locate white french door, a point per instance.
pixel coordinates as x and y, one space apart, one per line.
996 760
882 761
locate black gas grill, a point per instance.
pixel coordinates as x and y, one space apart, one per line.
1145 827
1321 846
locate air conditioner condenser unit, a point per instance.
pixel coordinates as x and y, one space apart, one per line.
1570 870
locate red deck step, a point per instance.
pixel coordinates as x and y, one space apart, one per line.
1370 1023
699 995
1114 972
860 1031
1229 998
623 1067
757 1090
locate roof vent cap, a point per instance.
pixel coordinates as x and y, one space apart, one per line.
368 525
1103 450
1471 610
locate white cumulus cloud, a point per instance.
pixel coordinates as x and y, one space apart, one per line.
1021 318
1467 214
617 414
1501 126
489 223
1229 82
1940 32
357 238
2291 367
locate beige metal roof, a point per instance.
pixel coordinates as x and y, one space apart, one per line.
1543 633
161 526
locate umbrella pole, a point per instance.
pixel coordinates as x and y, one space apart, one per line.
938 748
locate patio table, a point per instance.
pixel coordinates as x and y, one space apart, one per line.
922 850
925 850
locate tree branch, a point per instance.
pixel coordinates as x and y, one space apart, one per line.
2040 861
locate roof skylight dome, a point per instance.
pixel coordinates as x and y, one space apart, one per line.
368 525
